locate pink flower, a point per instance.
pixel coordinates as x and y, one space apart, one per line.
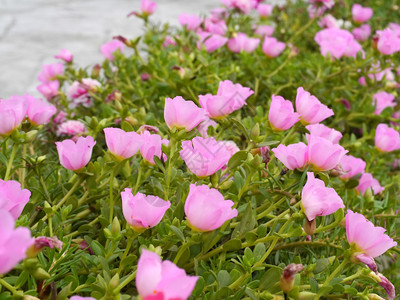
40 112
60 117
75 155
13 242
12 198
366 238
382 100
71 128
169 41
107 49
362 33
12 114
203 127
122 144
218 13
143 211
264 30
241 42
389 39
191 22
318 200
65 55
78 92
265 10
212 42
337 42
386 139
324 155
49 89
352 166
326 3
361 14
204 156
242 5
293 156
151 146
230 97
156 279
329 21
206 209
216 27
311 110
148 7
50 72
325 132
272 47
281 114
182 114
366 182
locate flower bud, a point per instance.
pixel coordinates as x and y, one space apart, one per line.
287 278
310 226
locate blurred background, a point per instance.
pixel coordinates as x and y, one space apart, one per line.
33 31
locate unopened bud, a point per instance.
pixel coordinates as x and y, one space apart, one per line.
114 281
149 128
115 227
375 297
31 135
255 131
287 278
310 226
41 274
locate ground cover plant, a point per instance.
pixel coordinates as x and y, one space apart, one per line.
252 153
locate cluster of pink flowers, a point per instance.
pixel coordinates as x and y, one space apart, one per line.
78 92
337 42
48 77
309 111
14 110
389 39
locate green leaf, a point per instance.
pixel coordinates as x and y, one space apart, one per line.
259 251
237 159
321 265
272 276
178 232
223 278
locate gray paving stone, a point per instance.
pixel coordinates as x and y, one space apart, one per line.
33 31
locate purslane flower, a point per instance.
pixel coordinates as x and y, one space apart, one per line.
204 156
14 242
366 240
12 198
157 279
143 211
206 209
311 110
75 155
318 200
183 114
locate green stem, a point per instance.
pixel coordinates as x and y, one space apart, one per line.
271 247
10 162
9 287
125 282
110 219
23 170
238 281
182 250
171 153
65 198
138 180
330 277
129 243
